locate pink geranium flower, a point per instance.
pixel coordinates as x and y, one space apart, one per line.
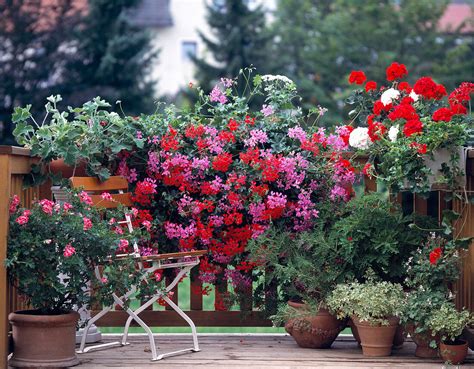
69 250
87 223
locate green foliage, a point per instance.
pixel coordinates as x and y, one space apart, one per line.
372 233
372 301
448 322
239 39
51 257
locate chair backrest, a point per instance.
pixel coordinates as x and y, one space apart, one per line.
95 188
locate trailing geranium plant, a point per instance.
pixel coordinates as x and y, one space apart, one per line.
402 127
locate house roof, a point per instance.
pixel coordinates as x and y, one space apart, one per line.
455 15
151 13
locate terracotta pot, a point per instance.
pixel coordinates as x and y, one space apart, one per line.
43 340
376 340
59 166
354 330
422 341
316 331
454 353
400 335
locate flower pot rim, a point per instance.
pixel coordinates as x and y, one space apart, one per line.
457 342
26 317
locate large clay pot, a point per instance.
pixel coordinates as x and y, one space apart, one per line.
422 341
59 166
316 331
376 340
43 340
354 330
454 353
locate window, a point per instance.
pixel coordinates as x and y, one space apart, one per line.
188 49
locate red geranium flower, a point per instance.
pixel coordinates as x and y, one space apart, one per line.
420 148
404 86
376 131
427 88
396 71
379 107
412 126
233 125
442 114
357 76
370 85
435 255
222 162
403 111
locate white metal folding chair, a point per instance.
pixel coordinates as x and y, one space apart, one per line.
184 261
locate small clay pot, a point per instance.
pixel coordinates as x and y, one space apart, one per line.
354 330
453 352
422 341
59 166
376 340
316 331
43 340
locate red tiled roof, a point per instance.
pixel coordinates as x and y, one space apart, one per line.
455 15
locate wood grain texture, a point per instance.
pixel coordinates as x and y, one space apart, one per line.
114 183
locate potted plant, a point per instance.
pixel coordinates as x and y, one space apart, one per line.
449 323
306 264
52 251
79 141
431 270
412 134
374 308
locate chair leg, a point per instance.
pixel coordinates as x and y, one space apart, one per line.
82 348
147 330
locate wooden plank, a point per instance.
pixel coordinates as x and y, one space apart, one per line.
420 205
114 183
4 217
118 199
201 318
14 150
175 255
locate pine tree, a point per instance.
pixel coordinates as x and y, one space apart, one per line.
240 38
112 59
32 33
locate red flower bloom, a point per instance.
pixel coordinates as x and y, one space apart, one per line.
396 71
435 255
370 85
222 162
427 88
376 131
458 109
346 134
462 93
412 126
233 125
442 114
367 170
194 131
249 120
379 107
420 148
404 86
357 76
403 111
226 136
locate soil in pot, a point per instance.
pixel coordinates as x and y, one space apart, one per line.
314 331
453 352
43 340
376 340
422 341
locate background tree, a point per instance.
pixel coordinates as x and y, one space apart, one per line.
32 33
240 38
335 37
112 59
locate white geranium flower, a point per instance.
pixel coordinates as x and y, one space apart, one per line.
414 96
272 77
393 133
389 95
359 138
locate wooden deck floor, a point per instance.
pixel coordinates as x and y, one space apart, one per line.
251 352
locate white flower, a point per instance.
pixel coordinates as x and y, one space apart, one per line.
272 77
414 96
359 138
389 95
393 133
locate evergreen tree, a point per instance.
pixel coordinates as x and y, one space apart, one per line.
112 59
32 33
240 38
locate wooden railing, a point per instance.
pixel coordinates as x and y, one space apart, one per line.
15 163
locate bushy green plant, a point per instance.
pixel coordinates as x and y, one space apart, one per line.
372 301
373 233
448 322
53 249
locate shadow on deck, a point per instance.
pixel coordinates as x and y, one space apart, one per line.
252 351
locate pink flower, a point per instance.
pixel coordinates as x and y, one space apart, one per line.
106 196
87 223
134 212
69 250
147 225
217 95
22 220
67 206
158 274
123 245
85 198
47 206
14 204
118 230
267 110
256 136
112 221
227 82
104 280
